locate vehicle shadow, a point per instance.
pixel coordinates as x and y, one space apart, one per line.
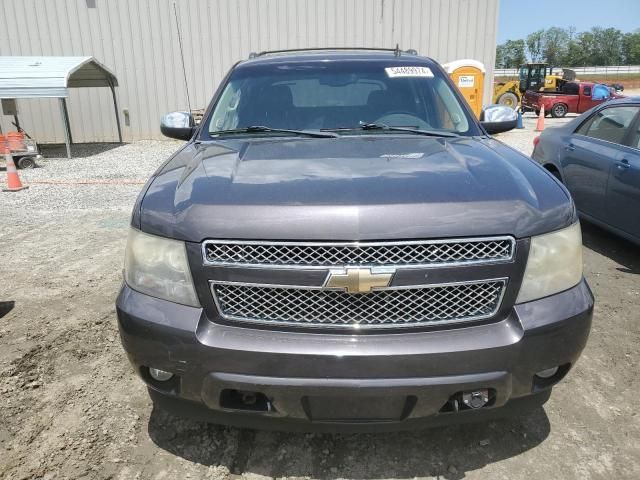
445 452
609 245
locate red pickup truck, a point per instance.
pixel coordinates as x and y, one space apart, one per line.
575 97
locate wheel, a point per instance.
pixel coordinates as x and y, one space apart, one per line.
537 113
509 99
26 162
559 110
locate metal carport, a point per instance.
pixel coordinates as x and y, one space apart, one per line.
51 77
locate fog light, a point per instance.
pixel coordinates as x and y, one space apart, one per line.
160 375
548 373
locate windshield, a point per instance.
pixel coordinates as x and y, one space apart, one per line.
338 96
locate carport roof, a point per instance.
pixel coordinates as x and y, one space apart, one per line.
33 77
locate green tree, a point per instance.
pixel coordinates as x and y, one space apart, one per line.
574 56
607 48
500 56
555 44
510 54
586 50
631 48
572 53
535 46
563 47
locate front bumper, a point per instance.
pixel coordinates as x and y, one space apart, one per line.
321 381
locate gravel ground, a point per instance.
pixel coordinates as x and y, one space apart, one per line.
522 139
100 177
72 407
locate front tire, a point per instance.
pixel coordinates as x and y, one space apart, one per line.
509 99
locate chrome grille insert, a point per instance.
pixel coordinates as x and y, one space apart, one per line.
331 254
388 308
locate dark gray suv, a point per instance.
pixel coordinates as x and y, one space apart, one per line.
341 245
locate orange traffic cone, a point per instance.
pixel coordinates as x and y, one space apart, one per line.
540 124
13 180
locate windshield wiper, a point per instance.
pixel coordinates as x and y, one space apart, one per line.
417 131
262 128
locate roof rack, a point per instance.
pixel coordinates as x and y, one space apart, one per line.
396 50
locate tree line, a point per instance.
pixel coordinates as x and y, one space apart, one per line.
564 47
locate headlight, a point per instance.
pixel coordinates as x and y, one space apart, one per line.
158 267
554 264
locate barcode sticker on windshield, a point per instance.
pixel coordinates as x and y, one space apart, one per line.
408 71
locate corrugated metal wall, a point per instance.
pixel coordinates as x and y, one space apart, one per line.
137 39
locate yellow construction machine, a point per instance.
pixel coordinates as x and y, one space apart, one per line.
531 76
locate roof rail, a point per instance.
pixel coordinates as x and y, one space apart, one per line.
396 50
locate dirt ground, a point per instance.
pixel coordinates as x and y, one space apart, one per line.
71 407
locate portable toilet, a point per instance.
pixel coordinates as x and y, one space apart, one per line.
468 75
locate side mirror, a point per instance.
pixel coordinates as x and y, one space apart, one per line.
498 119
178 125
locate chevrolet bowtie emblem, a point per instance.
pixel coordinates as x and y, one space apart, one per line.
357 280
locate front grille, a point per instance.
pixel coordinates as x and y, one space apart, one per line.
397 254
392 307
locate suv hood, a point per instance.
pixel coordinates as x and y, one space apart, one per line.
352 188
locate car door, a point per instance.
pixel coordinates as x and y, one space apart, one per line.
585 101
623 188
589 154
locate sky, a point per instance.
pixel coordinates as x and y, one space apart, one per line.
519 18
